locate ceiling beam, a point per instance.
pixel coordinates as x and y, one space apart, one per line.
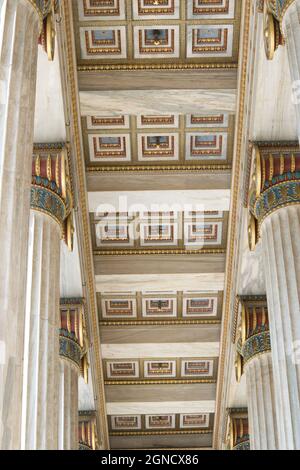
90 79
176 101
159 201
158 180
160 350
125 408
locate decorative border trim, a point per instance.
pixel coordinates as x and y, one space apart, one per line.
160 382
255 345
153 168
133 67
280 195
213 251
160 433
160 322
37 203
70 349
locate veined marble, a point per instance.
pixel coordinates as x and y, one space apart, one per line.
160 350
153 102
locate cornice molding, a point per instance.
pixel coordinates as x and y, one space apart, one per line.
69 60
160 433
230 290
159 169
171 251
173 66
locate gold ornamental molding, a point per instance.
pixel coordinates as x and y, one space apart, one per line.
174 66
204 251
70 63
160 382
160 433
233 215
159 322
156 168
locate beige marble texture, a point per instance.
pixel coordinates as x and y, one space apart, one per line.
101 103
281 247
19 28
41 351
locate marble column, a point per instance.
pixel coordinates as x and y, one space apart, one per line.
87 431
257 365
72 349
19 31
291 32
50 207
237 436
274 202
282 27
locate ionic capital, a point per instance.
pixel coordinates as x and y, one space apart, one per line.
237 435
274 182
73 341
87 431
51 191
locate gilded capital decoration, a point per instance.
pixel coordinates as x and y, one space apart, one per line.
47 10
51 191
254 332
274 182
73 340
87 431
237 436
274 11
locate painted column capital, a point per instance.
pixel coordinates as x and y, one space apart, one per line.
73 341
51 191
254 333
87 431
237 435
274 182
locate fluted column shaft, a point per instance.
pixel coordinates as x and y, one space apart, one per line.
68 406
41 359
19 30
281 247
261 403
291 29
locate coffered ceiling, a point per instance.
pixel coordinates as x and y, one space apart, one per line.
158 89
165 31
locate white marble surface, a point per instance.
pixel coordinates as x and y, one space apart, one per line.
160 282
261 403
159 350
163 407
41 351
153 102
19 28
49 120
85 393
274 116
251 278
281 247
153 201
68 406
70 271
291 27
